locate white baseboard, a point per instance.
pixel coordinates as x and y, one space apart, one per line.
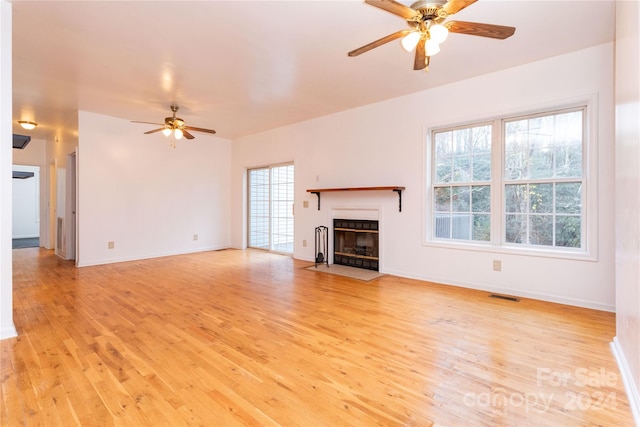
508 291
103 261
633 394
9 332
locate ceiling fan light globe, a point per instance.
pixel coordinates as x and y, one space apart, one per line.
438 33
410 41
177 133
431 47
166 131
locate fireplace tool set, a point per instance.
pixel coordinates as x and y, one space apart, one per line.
322 245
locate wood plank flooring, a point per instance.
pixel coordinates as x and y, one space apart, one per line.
232 338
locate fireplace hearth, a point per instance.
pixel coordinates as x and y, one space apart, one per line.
355 243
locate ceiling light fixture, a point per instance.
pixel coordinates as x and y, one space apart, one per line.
438 33
27 124
177 132
410 41
430 33
431 47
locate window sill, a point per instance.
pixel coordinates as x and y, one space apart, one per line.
573 255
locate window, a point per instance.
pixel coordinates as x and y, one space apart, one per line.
530 169
543 180
271 208
462 191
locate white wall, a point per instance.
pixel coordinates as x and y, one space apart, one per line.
7 328
26 204
383 144
64 143
146 197
627 145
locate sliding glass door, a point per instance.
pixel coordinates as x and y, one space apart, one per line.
271 208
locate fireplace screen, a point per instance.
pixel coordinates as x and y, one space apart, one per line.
355 243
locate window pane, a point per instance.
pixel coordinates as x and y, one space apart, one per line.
568 231
515 228
282 208
540 161
259 208
569 134
569 198
481 198
481 227
443 199
461 169
461 198
569 161
515 165
540 198
481 139
541 230
444 169
443 144
461 141
544 147
516 198
461 227
481 167
442 226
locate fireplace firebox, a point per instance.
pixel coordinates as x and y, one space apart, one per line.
355 243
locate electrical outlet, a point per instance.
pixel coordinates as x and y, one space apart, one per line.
305 203
195 237
497 265
304 243
111 245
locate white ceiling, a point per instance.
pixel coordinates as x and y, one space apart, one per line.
241 67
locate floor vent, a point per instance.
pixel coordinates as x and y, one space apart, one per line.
505 297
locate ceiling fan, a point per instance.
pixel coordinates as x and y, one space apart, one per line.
176 125
426 28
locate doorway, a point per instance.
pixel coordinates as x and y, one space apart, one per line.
270 208
26 207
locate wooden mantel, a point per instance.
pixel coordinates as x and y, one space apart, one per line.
394 188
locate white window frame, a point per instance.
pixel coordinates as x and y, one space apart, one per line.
496 244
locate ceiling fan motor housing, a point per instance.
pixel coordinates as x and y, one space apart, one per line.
427 11
174 122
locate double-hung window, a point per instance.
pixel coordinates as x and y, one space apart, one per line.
512 182
462 183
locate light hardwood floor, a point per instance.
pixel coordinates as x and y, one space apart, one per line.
251 338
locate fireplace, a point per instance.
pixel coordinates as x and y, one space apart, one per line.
355 243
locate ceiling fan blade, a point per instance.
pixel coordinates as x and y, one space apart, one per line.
483 30
148 123
455 6
420 62
379 42
211 131
154 131
187 134
393 7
